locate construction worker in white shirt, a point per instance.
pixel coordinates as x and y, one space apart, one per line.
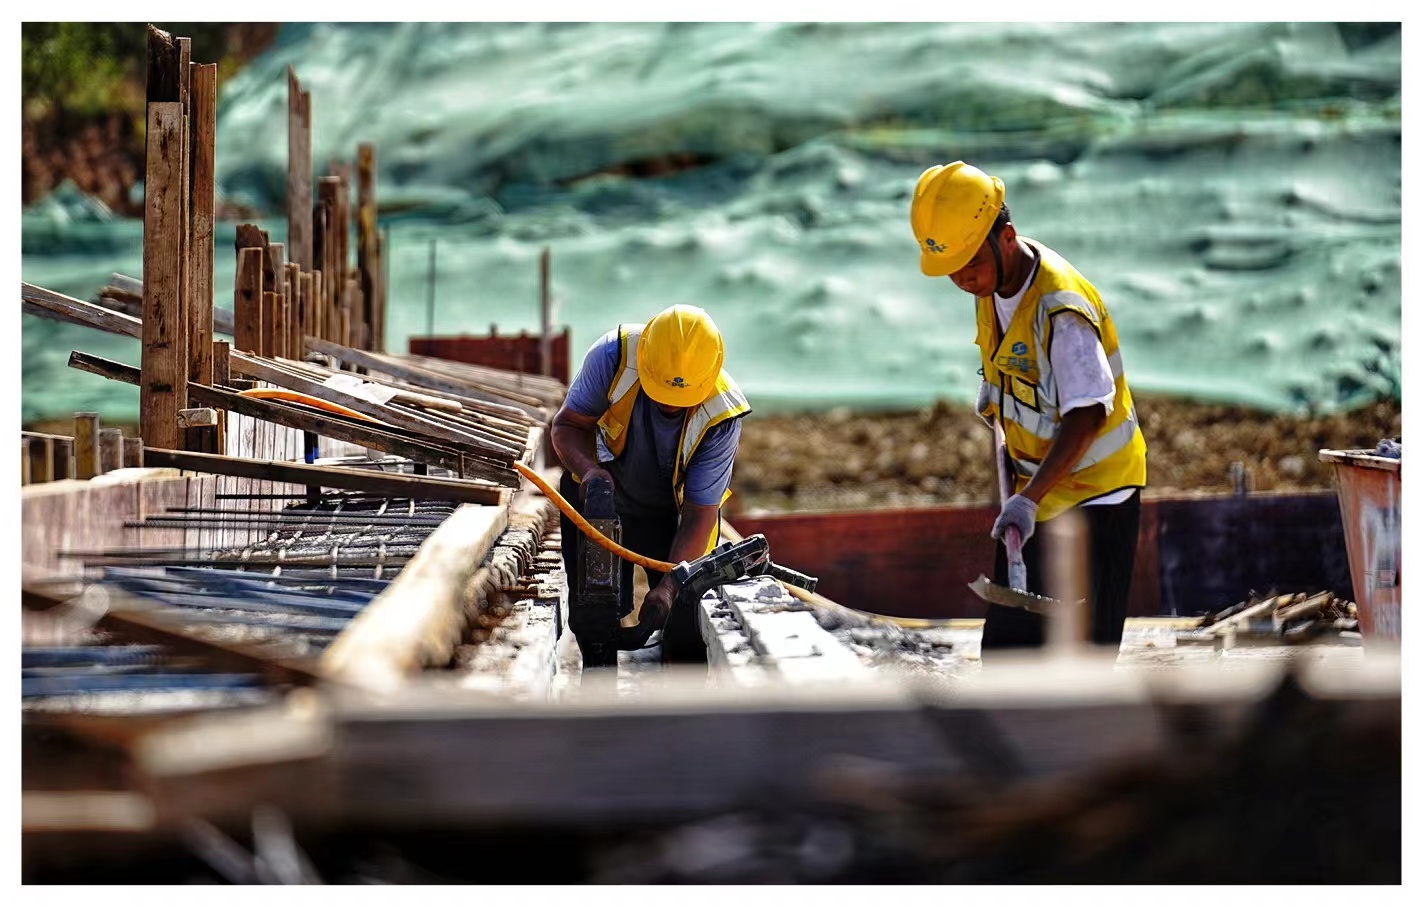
1053 379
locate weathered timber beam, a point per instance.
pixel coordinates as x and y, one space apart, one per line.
273 374
331 426
419 618
388 484
426 378
58 307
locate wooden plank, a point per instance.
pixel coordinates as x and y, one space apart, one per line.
111 450
368 481
39 452
327 189
299 172
419 618
86 445
382 288
202 143
58 307
163 389
221 362
273 325
318 306
63 467
425 378
294 312
367 264
306 293
164 81
24 461
330 426
132 452
274 374
247 301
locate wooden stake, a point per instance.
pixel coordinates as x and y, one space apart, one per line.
40 453
299 172
247 300
1065 559
294 312
24 461
63 467
366 240
111 450
273 326
203 153
133 452
165 343
86 445
221 362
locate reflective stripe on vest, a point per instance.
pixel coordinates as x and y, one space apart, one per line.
1023 392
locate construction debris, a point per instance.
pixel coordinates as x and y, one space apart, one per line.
1277 620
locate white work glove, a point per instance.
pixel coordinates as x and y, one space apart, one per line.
982 405
1020 513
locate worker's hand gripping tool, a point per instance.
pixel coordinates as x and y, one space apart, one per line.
727 563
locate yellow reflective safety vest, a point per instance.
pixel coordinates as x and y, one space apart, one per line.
726 402
1023 392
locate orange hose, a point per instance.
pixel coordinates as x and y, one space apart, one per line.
916 623
270 393
578 520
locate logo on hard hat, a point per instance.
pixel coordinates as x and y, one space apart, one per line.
678 382
933 246
1020 348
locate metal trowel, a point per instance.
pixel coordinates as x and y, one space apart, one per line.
1018 596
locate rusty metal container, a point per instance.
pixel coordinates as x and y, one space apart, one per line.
1370 501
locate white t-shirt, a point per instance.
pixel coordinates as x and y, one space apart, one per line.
1079 363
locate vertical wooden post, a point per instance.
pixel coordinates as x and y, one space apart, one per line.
221 362
342 261
545 320
86 445
307 326
40 453
247 301
366 263
275 341
299 172
111 449
221 375
63 465
203 151
294 311
325 228
1065 578
163 388
24 461
382 283
132 452
318 308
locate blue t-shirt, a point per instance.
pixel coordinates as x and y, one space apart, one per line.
643 474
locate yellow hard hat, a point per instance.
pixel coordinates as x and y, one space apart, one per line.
954 207
679 356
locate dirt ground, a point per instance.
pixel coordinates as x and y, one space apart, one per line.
839 460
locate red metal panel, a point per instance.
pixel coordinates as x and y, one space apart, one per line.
515 353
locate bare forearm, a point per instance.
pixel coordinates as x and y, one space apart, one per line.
576 446
1079 430
695 528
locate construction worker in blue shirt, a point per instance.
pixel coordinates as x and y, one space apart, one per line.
1053 380
652 411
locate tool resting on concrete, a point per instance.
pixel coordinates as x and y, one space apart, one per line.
729 562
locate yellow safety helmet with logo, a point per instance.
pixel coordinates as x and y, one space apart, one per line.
679 356
953 210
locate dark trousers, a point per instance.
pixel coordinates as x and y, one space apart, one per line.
649 536
1111 555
